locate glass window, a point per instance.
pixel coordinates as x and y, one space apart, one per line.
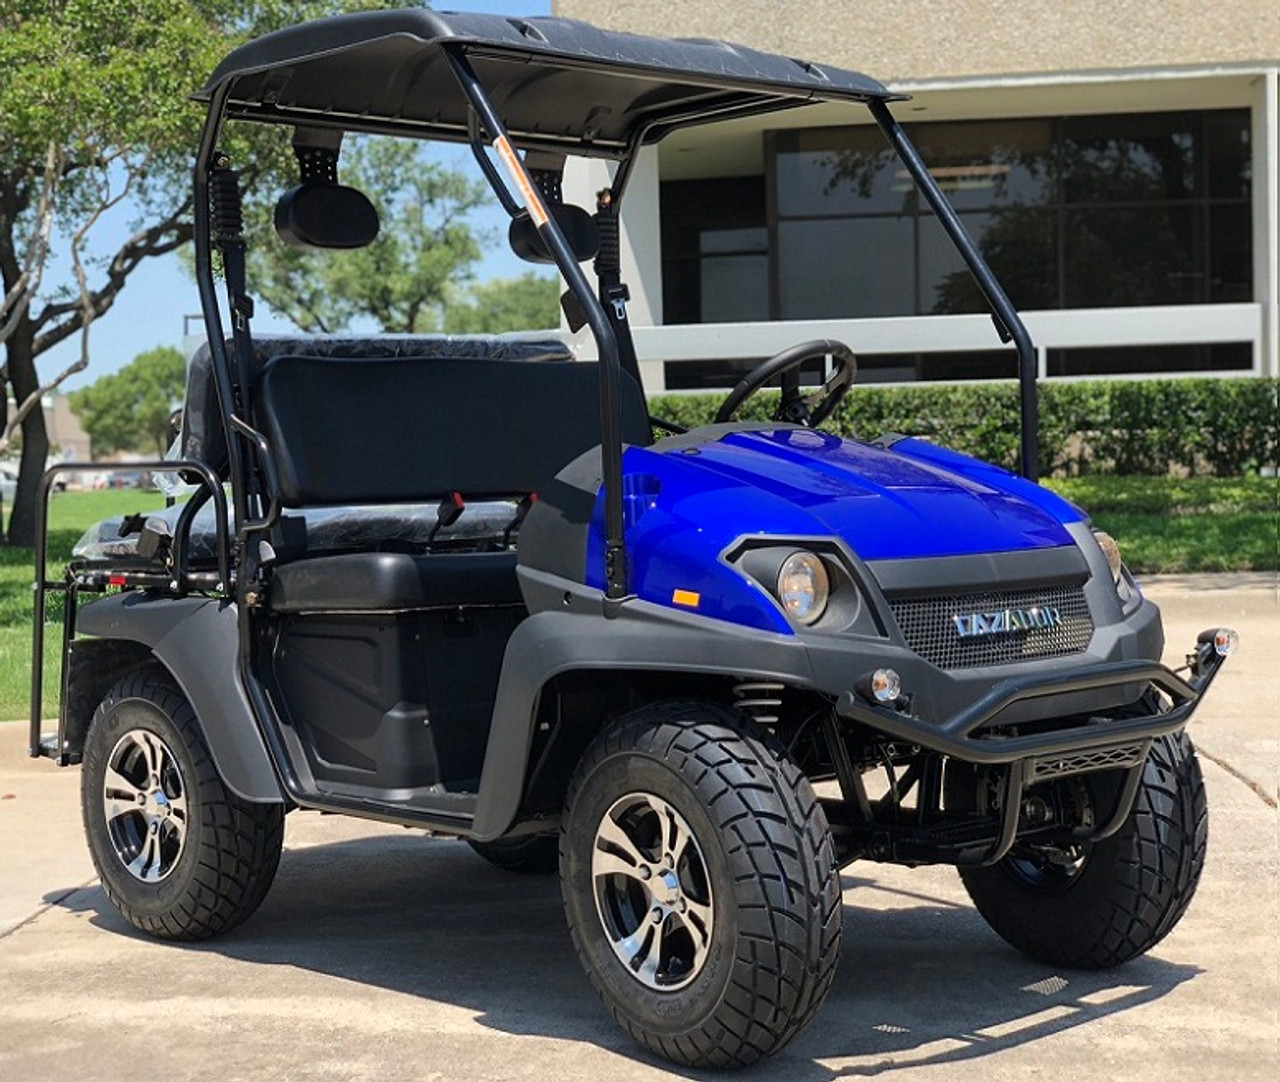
1020 245
838 171
1230 159
909 367
846 267
715 251
995 164
1218 357
1136 158
1096 211
735 289
1148 255
1230 254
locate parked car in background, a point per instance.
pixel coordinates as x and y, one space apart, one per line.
8 483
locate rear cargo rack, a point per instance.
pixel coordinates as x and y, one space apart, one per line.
99 576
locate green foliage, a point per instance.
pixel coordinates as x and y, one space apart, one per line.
1222 427
129 409
527 303
94 115
96 73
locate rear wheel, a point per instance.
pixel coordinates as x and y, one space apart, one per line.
700 885
1095 905
179 854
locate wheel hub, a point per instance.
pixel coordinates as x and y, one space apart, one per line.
667 891
144 805
652 891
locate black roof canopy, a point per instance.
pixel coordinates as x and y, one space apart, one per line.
556 83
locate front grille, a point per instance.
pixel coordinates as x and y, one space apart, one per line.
929 626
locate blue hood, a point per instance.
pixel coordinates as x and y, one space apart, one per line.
686 503
911 500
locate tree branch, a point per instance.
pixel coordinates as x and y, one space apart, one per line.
90 303
68 317
18 299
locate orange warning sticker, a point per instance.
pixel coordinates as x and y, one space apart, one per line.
532 201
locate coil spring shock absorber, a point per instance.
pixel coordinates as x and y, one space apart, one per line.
224 202
760 700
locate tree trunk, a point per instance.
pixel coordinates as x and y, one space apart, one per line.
35 439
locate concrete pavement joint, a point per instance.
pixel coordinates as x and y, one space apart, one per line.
1258 789
56 900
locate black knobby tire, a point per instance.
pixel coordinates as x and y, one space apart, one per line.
759 863
1128 891
223 851
537 854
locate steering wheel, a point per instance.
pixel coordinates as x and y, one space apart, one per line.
811 409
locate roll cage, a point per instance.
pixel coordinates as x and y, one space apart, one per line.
545 85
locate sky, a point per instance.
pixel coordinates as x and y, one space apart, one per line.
153 308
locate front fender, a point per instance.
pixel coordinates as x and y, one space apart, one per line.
579 636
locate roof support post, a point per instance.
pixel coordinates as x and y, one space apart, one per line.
1008 323
615 557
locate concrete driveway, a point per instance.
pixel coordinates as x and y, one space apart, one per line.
380 954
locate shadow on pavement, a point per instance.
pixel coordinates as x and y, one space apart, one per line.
925 983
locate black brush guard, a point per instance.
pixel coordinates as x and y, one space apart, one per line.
1033 758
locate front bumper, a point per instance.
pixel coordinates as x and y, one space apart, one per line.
1117 740
973 733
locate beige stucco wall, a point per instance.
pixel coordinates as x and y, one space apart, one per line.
906 40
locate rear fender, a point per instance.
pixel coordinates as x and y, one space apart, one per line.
197 641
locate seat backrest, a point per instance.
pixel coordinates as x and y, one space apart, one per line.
202 435
412 429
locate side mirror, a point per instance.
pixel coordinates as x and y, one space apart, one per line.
578 226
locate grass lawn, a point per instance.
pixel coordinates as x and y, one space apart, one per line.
1169 525
1162 525
70 514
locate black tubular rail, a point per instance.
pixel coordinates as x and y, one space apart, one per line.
180 578
1008 323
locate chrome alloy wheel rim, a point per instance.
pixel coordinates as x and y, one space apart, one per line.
652 891
145 804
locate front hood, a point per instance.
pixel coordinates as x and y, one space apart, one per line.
906 501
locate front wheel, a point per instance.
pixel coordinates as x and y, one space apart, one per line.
700 885
179 854
1095 905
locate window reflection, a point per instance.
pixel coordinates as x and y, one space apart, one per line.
1141 209
846 264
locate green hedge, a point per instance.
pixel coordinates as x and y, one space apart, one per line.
1222 427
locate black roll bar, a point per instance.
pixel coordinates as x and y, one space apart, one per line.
209 298
1008 323
615 565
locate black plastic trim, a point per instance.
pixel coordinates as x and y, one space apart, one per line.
197 640
955 734
996 570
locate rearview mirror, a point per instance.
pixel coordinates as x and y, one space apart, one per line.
326 216
578 226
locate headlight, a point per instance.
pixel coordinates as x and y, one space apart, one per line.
803 587
1111 551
